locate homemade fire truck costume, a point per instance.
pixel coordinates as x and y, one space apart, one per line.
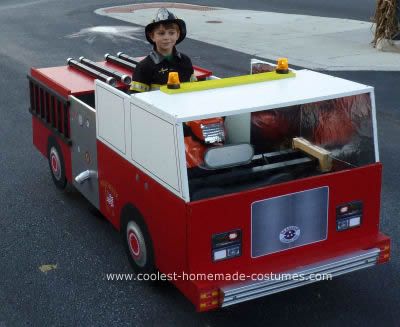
288 180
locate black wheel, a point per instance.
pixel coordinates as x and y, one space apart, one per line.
137 242
56 164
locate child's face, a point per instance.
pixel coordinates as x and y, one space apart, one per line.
165 38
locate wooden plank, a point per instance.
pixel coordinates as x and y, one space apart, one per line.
323 156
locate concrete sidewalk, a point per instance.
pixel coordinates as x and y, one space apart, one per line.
308 41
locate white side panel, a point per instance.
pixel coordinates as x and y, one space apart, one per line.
110 117
154 146
145 137
182 162
374 125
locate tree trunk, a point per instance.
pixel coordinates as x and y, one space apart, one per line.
386 19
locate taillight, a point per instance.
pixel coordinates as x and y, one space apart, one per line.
384 255
349 215
226 245
209 300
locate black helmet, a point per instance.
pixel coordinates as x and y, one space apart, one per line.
165 16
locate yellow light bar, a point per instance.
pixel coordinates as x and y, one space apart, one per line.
227 82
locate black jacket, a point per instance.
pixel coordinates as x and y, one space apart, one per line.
152 71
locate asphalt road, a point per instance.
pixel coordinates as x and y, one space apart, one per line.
40 225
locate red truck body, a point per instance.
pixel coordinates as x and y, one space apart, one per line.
183 232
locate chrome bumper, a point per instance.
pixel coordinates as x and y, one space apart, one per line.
337 266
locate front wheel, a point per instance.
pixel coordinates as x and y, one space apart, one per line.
138 246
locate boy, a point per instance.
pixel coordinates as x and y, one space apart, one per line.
163 33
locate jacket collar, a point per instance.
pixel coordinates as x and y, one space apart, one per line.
157 57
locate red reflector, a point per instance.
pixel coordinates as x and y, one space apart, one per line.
209 300
384 256
204 306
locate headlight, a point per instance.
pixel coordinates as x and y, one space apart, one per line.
208 130
213 133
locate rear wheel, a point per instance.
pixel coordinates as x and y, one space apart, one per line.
138 245
56 164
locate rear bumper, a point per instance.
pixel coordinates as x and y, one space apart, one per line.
249 290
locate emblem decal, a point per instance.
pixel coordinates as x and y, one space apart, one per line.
110 197
289 234
110 200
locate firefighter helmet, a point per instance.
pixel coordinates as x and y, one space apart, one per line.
164 16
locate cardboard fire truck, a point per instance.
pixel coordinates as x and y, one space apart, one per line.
273 172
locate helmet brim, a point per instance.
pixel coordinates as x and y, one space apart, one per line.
181 24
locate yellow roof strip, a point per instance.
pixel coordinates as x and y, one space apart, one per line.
226 82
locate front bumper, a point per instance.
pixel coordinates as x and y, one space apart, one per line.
249 290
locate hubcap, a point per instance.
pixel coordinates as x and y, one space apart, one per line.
55 163
136 243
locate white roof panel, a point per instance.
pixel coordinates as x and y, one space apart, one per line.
307 86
